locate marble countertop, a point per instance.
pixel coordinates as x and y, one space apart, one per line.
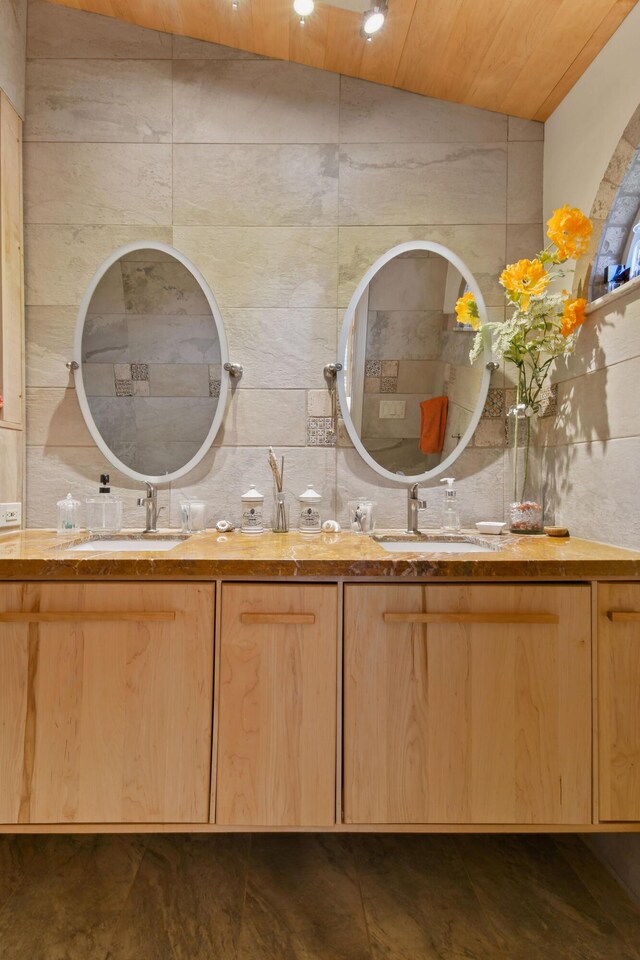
40 554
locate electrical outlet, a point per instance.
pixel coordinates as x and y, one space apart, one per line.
10 514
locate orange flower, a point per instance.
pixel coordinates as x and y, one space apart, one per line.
570 230
524 279
467 310
572 316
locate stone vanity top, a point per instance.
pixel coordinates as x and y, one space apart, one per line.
40 554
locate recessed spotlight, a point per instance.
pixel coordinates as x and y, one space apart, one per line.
373 20
303 8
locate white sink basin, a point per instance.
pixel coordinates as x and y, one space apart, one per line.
133 544
428 543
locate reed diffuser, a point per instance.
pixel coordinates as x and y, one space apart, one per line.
280 509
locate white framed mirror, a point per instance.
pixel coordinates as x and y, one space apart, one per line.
409 395
151 349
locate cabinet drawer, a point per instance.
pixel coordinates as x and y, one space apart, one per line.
619 700
105 714
277 707
467 704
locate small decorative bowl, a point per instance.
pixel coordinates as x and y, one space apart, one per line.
490 526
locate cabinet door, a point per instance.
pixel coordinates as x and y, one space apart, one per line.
107 690
619 700
277 708
467 704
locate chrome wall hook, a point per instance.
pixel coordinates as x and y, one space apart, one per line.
72 365
493 365
235 370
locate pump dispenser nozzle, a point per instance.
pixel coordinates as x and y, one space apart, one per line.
450 515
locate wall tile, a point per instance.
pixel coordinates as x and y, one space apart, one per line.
214 102
422 183
373 113
187 48
49 342
54 418
11 457
608 336
596 406
226 472
282 348
524 240
73 34
97 183
265 266
524 188
125 101
61 260
253 184
257 417
52 472
178 380
482 247
520 129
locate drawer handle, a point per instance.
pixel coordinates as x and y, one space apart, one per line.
471 618
89 615
250 618
624 616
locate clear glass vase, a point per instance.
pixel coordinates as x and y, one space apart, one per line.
526 503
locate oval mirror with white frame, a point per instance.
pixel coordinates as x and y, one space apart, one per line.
409 395
151 348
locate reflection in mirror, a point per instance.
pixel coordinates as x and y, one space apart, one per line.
410 389
151 362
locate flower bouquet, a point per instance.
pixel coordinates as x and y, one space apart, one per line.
542 326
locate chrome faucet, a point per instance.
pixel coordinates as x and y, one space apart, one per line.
150 502
414 503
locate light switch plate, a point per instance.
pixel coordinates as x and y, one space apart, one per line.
392 409
10 514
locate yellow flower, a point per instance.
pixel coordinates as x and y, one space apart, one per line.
524 279
467 310
570 230
572 316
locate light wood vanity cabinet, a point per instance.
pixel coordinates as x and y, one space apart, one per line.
277 705
467 704
105 712
619 700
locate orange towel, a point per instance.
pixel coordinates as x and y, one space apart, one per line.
433 416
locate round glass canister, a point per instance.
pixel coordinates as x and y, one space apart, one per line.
252 511
68 514
309 519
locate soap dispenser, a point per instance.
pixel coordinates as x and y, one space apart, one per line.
104 512
450 515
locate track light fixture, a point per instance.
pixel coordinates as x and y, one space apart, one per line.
303 8
373 20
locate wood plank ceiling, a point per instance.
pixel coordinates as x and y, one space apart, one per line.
514 56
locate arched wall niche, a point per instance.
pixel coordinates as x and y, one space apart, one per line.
615 209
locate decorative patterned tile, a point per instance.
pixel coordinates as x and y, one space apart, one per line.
389 385
549 401
372 384
390 368
124 388
140 388
320 432
122 371
214 387
139 371
373 368
494 404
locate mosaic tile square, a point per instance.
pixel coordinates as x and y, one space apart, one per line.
214 387
139 371
140 388
549 400
122 371
320 432
389 385
494 404
124 388
373 368
390 368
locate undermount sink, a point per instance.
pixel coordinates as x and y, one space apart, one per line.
434 543
127 543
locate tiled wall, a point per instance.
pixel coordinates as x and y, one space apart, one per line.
282 184
13 21
597 438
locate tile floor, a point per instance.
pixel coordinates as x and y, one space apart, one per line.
310 897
